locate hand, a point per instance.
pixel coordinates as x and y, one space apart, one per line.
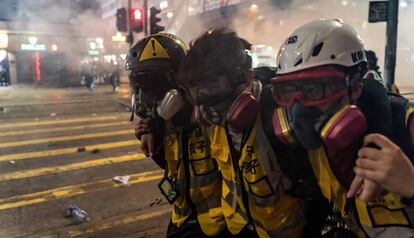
142 127
364 189
387 166
148 145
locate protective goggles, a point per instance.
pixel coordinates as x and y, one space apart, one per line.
148 80
312 87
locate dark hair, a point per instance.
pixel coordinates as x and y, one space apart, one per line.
220 49
372 61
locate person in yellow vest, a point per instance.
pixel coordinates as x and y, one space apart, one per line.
173 140
319 84
218 79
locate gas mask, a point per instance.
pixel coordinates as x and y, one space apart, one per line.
339 129
167 107
237 114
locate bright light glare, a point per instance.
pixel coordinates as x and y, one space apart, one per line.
92 45
32 40
3 55
345 3
170 14
54 47
163 4
403 4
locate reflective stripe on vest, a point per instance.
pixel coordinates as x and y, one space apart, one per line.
274 214
181 210
205 181
374 216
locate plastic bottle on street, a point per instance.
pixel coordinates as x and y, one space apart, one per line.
76 214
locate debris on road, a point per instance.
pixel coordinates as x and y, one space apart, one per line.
94 151
122 179
76 214
4 110
157 201
94 114
12 162
52 114
81 149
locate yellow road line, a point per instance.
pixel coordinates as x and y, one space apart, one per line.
54 122
66 138
64 151
79 231
121 222
74 190
65 128
69 167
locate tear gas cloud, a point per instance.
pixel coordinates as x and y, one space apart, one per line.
270 22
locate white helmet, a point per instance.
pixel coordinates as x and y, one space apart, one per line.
320 42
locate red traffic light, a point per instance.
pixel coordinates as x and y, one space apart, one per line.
136 14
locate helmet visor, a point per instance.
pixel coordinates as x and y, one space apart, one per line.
148 81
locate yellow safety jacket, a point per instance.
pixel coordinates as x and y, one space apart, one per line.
205 182
181 209
385 217
260 185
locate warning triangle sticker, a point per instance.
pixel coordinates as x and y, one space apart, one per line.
153 50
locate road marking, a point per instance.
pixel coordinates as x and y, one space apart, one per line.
54 122
88 230
66 138
122 222
73 190
69 167
65 128
64 151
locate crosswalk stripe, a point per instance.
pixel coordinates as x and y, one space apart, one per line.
66 138
89 230
121 222
54 122
69 167
64 151
73 190
60 129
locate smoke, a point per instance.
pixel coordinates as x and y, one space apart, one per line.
270 22
66 24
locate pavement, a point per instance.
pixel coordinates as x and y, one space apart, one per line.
64 146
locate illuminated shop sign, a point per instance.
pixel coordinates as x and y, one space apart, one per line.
33 47
93 52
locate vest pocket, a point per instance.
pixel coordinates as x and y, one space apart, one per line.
382 216
203 166
261 187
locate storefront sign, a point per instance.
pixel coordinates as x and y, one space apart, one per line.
93 52
33 47
36 47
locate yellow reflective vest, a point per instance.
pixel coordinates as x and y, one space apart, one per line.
181 209
258 190
204 181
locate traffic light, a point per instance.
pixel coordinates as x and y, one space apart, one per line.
121 19
136 17
154 28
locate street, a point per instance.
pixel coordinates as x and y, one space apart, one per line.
64 146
